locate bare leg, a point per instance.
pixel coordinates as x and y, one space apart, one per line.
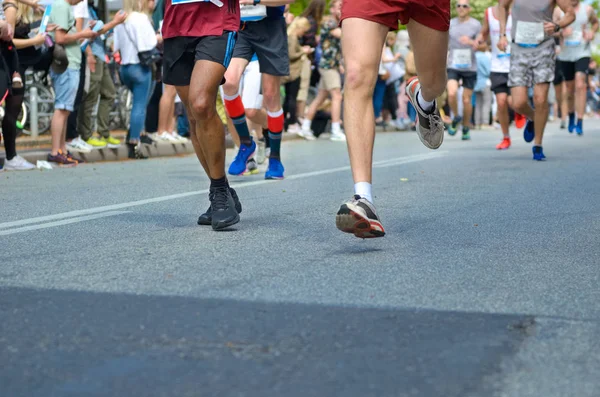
316 103
570 88
580 94
520 100
336 105
209 129
453 96
467 106
431 49
502 113
362 42
57 127
257 117
183 93
540 100
166 108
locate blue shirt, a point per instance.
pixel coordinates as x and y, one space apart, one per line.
98 43
484 65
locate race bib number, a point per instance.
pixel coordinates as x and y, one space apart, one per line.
574 39
529 34
218 3
462 59
250 13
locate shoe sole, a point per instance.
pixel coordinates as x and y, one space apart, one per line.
352 222
225 225
253 172
246 170
275 178
412 96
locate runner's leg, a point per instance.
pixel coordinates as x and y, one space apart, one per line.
542 109
183 92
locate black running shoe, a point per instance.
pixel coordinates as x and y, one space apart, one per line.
206 218
358 217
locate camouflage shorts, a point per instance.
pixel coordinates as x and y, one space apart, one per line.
532 67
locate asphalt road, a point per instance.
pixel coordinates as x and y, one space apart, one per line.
487 283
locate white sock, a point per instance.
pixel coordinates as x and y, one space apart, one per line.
306 124
335 128
425 105
363 189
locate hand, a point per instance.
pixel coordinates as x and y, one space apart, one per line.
465 40
120 17
91 62
39 39
306 49
588 35
88 34
503 43
51 27
549 28
397 56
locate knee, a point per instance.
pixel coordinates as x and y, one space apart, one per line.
271 97
540 101
251 113
502 103
231 86
467 100
520 104
580 85
355 78
203 108
336 95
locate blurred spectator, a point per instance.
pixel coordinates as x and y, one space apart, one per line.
100 85
65 72
152 111
411 71
314 13
19 16
391 62
297 54
136 35
482 90
379 94
330 68
402 46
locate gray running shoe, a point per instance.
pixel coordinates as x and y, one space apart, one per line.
358 217
430 127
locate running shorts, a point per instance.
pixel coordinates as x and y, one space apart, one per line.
469 78
434 14
532 67
499 83
181 53
569 69
267 39
559 78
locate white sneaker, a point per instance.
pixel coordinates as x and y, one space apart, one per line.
78 145
18 163
167 137
338 136
294 129
178 137
307 134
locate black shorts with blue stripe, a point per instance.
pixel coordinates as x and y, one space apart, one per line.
181 53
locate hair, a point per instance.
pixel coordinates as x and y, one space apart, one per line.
298 23
315 9
24 13
135 6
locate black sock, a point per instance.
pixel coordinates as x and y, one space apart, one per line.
266 137
221 182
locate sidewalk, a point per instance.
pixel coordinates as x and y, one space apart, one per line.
34 149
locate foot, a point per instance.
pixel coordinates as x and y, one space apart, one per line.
466 133
239 164
358 217
294 128
261 155
538 153
252 168
571 123
17 82
167 137
529 131
579 127
146 140
275 170
113 143
224 212
78 145
307 134
72 158
338 136
96 143
505 144
135 152
206 218
563 124
61 159
520 120
430 127
18 163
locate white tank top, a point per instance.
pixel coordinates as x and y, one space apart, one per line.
574 47
500 60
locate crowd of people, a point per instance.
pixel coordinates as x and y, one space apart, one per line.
195 67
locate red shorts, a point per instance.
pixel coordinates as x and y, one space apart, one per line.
434 14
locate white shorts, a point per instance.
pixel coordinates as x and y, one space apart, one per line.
250 85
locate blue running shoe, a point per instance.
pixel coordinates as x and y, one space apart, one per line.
571 122
275 170
579 127
529 131
538 153
452 127
238 166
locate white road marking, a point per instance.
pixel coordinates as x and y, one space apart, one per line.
116 207
61 223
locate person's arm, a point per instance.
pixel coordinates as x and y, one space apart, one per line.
268 3
550 28
503 9
484 34
593 21
118 19
33 4
294 49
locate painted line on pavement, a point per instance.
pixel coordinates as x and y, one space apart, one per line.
61 223
116 207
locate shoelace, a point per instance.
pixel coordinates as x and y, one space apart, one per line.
219 198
